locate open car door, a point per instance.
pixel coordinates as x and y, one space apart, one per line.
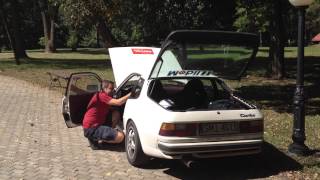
80 89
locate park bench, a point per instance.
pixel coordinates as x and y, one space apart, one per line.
57 77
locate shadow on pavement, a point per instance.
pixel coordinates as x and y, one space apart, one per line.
270 162
112 147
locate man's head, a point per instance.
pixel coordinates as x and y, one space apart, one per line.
108 86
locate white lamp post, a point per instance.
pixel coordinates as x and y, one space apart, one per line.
298 136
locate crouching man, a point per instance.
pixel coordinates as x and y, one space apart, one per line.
98 109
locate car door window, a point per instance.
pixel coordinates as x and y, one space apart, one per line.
83 85
133 83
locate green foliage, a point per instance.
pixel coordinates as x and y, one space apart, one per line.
149 22
90 39
81 14
313 18
130 21
73 40
42 41
252 16
134 22
257 16
136 35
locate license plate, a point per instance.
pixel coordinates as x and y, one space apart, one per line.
219 128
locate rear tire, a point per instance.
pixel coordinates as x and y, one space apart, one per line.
134 152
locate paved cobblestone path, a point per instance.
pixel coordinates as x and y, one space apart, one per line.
36 144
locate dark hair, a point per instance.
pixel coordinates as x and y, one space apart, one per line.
105 83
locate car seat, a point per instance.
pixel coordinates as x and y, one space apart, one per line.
194 95
157 91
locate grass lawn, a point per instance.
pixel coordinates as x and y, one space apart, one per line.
273 96
35 69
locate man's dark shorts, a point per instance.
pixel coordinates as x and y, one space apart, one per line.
100 133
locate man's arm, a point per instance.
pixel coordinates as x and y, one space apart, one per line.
120 101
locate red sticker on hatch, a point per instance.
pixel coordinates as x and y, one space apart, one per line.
142 51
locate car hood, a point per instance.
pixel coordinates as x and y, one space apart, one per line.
128 60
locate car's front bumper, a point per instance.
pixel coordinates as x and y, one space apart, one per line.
211 149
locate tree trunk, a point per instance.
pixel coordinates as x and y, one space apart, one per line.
45 29
16 23
50 47
98 37
9 34
107 37
48 29
13 33
276 51
76 44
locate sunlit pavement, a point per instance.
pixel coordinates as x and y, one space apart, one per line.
36 144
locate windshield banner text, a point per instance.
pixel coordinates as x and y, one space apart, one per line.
190 73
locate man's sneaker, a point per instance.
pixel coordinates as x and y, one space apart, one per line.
94 144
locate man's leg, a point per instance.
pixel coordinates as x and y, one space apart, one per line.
116 117
89 134
108 135
118 138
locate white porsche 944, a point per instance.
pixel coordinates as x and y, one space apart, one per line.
181 106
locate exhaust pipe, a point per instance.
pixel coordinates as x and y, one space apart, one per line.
188 162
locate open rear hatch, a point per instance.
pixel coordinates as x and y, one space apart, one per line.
225 54
186 73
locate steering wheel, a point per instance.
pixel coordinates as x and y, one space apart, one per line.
135 90
127 88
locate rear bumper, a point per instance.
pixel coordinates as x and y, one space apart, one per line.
212 149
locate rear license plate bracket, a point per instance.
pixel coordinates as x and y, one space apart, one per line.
219 128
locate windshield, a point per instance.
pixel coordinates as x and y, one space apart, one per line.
202 60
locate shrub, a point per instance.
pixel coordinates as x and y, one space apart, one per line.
73 41
42 41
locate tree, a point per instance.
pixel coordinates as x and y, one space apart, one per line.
277 40
266 17
1 35
81 15
9 13
149 22
133 22
313 19
49 11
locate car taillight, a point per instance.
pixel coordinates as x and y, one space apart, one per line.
251 126
179 130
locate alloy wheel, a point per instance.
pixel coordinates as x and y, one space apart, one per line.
131 144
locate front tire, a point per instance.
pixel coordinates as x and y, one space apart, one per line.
135 154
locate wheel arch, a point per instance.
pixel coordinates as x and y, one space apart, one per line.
138 129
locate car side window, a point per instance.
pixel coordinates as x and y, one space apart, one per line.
156 68
167 63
